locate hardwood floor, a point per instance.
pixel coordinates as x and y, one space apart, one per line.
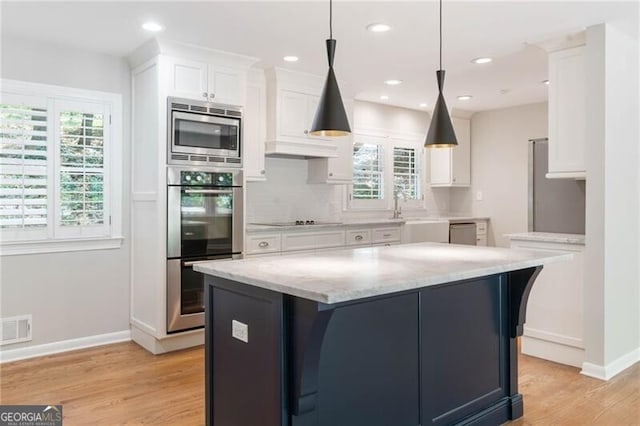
124 384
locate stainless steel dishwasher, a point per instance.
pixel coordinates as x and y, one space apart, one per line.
462 233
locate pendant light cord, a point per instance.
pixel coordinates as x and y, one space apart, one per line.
331 19
440 35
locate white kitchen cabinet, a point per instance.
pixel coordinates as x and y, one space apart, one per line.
205 81
254 126
294 241
554 323
292 99
385 235
567 114
452 166
358 237
481 233
339 169
159 69
263 243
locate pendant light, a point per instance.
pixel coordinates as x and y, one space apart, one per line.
331 118
441 133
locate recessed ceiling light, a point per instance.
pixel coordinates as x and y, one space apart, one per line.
392 82
545 82
384 98
378 28
464 97
152 26
423 105
483 60
290 59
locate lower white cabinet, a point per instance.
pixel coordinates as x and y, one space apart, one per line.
481 233
293 241
320 240
386 235
263 243
359 237
553 329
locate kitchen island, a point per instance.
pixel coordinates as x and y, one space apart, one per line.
413 334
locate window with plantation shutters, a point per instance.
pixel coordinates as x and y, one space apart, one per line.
56 182
24 159
81 130
386 164
406 173
368 182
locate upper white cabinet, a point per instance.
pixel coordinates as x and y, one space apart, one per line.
567 112
254 127
452 166
206 81
292 99
296 114
339 169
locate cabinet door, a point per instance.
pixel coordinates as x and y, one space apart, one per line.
452 166
293 114
254 133
461 155
187 79
226 85
440 166
567 111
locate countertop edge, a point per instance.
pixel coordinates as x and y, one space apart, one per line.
336 296
549 237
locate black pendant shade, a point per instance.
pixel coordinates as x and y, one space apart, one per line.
331 117
441 133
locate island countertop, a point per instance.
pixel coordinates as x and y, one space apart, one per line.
350 274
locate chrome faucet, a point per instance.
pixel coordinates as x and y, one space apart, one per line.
397 210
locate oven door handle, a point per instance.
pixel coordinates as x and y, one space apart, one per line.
195 262
208 191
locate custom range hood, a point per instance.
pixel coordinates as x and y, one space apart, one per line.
291 103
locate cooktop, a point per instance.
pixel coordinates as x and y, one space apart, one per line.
298 222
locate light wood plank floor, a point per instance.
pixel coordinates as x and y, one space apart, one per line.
124 384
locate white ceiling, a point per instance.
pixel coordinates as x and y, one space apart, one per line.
270 30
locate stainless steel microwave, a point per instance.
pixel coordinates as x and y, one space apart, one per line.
204 133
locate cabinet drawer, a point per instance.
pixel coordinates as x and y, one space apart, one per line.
356 237
312 240
270 243
386 235
481 228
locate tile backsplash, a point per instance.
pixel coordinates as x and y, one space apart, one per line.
286 196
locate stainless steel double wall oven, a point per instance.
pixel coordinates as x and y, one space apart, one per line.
204 201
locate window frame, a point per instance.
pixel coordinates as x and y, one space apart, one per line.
390 140
54 239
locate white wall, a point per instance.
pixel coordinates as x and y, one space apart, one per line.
612 287
499 168
75 294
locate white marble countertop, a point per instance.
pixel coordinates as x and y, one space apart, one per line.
349 274
251 227
549 237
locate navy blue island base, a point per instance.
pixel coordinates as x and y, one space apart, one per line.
439 355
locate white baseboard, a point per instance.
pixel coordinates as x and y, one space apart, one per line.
170 343
613 368
553 351
10 355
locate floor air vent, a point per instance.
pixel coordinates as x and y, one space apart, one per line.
15 330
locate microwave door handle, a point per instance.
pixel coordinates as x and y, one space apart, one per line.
208 191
